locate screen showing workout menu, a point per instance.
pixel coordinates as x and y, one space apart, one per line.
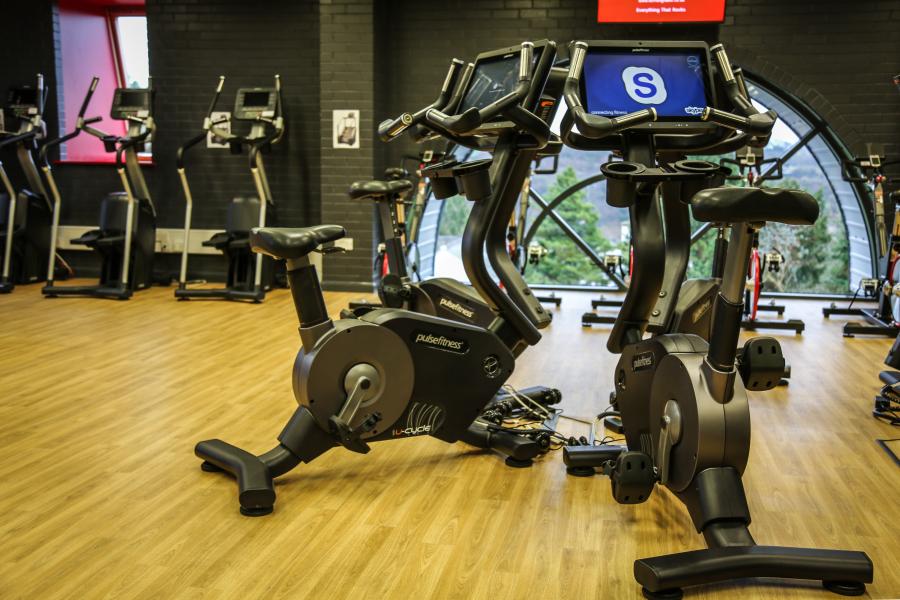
618 81
492 79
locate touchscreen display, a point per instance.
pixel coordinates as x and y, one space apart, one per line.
256 99
492 79
618 82
22 97
132 98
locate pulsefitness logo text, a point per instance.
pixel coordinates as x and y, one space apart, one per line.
457 308
441 342
644 85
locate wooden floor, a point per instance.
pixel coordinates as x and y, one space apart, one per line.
101 496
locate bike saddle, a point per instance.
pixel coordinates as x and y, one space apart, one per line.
376 189
291 243
393 173
747 205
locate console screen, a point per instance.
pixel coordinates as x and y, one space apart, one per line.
492 79
132 98
22 97
674 82
256 99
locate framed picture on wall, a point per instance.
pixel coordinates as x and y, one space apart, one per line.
345 128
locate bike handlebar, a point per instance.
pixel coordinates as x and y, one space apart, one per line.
751 122
473 118
392 128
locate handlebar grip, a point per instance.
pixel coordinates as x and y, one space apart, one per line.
579 50
525 57
215 100
92 120
760 124
391 128
724 65
90 94
455 66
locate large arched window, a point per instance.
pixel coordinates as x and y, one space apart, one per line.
568 215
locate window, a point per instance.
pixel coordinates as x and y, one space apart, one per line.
130 38
107 39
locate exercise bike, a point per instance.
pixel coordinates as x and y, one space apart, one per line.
683 401
393 373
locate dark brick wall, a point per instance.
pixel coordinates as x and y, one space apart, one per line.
191 44
347 66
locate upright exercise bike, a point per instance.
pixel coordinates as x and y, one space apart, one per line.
393 373
249 277
24 216
683 401
126 236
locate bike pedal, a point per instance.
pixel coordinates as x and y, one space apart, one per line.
632 478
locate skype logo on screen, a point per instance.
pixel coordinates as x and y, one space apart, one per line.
644 85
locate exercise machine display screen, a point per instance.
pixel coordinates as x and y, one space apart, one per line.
129 102
256 99
674 81
22 97
492 79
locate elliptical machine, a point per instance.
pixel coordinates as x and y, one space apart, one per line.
683 401
126 236
24 217
249 277
393 373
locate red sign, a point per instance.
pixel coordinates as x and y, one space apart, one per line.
660 11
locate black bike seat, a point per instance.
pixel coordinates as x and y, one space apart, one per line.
375 190
289 243
747 205
393 173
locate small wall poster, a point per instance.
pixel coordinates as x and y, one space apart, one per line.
345 128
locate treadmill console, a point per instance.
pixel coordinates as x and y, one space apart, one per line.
252 103
131 102
622 77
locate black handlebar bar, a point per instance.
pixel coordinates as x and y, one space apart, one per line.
473 118
594 127
389 129
80 124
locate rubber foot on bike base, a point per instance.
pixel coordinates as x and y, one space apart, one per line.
845 588
672 594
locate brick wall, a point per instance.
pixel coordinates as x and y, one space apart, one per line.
347 69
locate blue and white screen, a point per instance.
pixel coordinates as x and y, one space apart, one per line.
674 83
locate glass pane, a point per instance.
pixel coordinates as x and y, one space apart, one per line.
132 34
602 227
